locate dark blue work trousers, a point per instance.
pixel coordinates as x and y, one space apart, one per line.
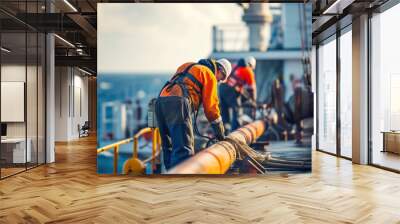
176 129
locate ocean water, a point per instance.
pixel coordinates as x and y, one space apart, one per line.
120 88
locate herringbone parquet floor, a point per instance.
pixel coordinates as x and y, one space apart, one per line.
70 191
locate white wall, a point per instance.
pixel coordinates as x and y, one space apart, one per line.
314 89
12 73
62 81
80 94
71 94
50 94
33 127
360 90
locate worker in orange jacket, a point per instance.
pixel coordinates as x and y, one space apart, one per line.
240 84
193 84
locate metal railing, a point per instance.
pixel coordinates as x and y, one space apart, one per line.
156 142
155 148
230 38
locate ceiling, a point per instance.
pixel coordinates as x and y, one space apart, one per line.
73 21
330 15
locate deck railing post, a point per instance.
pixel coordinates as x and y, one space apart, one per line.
135 147
153 148
116 149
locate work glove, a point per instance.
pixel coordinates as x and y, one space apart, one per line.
219 130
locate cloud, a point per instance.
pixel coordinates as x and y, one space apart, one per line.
157 37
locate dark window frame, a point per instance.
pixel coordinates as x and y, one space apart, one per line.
341 28
30 30
379 10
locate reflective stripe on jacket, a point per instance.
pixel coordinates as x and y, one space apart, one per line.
207 95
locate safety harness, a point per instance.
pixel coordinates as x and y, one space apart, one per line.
177 79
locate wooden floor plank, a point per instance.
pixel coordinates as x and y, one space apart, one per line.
70 191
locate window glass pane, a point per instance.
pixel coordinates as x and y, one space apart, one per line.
31 97
346 94
385 114
22 88
327 97
14 150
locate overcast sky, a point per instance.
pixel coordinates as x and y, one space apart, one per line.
157 37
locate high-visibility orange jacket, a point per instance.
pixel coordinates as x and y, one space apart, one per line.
207 95
242 77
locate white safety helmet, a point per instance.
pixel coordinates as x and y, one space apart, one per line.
251 61
226 65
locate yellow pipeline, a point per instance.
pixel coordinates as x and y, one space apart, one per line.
218 158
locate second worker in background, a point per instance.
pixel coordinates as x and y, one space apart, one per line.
240 84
